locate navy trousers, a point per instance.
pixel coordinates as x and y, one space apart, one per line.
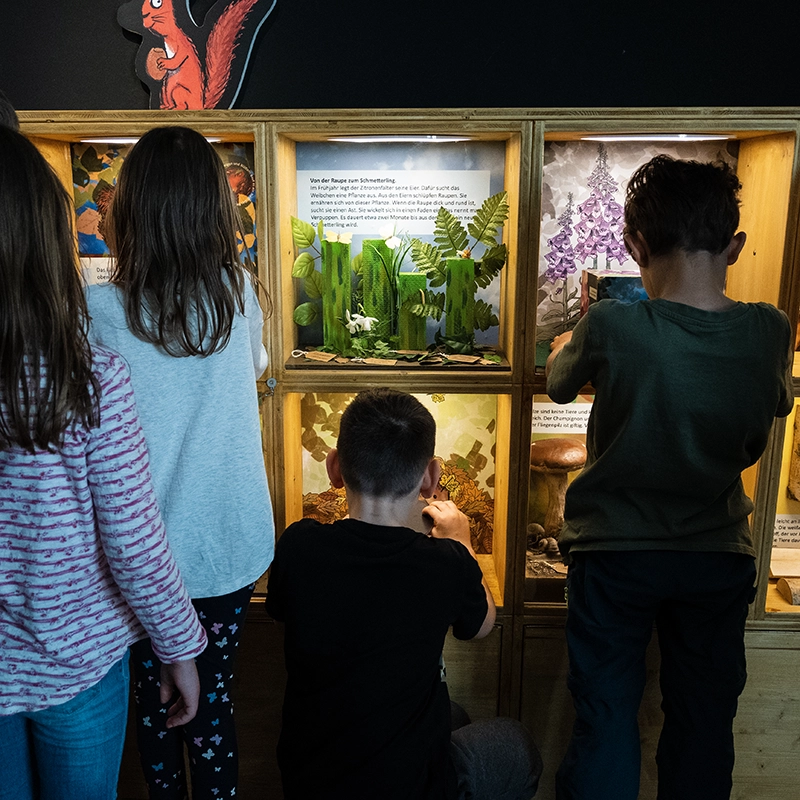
698 603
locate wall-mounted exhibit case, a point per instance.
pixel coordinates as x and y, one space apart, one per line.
459 308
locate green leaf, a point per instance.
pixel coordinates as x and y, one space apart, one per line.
303 265
80 177
90 160
432 307
484 317
320 230
449 234
313 285
303 233
305 313
356 263
245 221
464 344
489 218
489 266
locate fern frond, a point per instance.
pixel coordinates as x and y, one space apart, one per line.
449 234
489 218
489 266
432 307
485 318
428 259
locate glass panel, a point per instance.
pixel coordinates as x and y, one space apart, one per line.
582 255
466 437
95 168
783 590
558 451
365 249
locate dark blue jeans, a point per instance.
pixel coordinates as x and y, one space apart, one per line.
698 602
67 751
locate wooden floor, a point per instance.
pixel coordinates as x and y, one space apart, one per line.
258 697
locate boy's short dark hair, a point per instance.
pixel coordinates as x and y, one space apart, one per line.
8 116
683 205
386 440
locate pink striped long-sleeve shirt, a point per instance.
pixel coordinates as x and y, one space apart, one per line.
85 568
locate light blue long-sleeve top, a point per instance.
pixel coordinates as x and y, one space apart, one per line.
201 423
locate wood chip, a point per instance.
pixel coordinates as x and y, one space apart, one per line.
463 359
486 363
784 562
317 355
412 352
381 362
789 590
341 360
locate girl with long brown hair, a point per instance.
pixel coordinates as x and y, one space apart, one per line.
85 566
183 311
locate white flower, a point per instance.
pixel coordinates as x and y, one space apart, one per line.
366 323
358 322
387 233
352 322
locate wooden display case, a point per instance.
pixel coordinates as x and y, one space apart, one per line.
515 672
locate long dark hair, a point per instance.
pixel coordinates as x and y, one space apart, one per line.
46 379
172 229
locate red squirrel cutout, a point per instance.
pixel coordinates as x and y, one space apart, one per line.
190 66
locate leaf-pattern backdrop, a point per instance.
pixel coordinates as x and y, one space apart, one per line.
95 168
465 443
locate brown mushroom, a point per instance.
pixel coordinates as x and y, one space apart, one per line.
554 459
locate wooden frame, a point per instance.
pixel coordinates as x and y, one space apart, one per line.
770 167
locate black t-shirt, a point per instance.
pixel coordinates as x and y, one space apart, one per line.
366 610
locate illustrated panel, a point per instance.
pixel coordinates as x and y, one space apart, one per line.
582 253
465 446
95 169
783 591
557 454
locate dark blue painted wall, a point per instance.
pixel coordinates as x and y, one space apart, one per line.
56 54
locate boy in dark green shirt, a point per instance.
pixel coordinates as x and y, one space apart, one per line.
687 386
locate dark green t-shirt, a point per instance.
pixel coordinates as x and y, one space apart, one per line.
685 400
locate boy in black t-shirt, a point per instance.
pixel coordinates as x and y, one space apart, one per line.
688 384
367 602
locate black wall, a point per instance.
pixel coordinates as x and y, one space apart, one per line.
72 54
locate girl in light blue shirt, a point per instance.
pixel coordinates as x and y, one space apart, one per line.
182 310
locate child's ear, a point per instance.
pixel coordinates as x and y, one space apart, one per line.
430 479
334 470
637 247
736 246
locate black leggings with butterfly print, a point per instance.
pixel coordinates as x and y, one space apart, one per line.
210 738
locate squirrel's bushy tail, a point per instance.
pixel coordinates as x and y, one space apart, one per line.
222 43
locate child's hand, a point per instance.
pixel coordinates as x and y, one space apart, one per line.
560 340
181 677
556 346
448 522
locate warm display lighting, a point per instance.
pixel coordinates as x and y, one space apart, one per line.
658 137
406 139
131 140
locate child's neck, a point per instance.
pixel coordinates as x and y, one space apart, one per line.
394 512
692 278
